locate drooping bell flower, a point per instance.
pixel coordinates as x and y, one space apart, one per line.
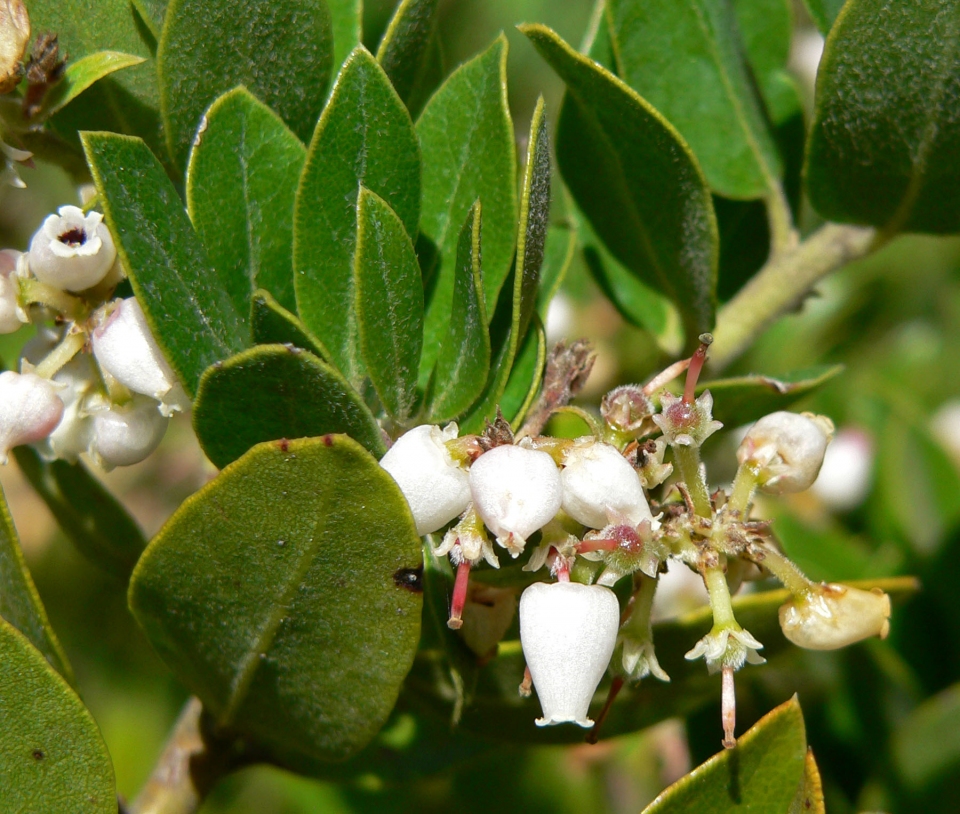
599 484
434 484
787 450
834 616
568 632
72 251
515 491
30 410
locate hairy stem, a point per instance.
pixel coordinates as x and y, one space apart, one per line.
687 458
782 284
783 234
189 767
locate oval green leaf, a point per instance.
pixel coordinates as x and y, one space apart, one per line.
20 603
89 516
279 595
762 773
52 756
526 376
188 305
364 137
81 74
692 44
276 391
282 52
824 13
464 360
389 305
613 148
272 324
884 149
408 49
467 134
241 183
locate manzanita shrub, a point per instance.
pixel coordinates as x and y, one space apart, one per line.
336 258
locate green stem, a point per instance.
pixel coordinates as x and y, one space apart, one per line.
744 485
782 284
33 292
783 234
720 603
783 569
69 347
638 624
687 457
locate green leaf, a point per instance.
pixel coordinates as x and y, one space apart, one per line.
531 239
525 378
824 13
279 595
692 44
127 102
558 254
613 148
152 13
761 774
272 324
20 603
743 399
52 756
281 52
498 712
81 74
90 517
276 391
408 51
766 30
883 148
467 132
389 305
346 24
809 797
464 359
241 183
193 317
364 137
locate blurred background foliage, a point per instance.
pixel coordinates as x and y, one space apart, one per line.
883 718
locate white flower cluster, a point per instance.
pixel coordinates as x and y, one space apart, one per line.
93 380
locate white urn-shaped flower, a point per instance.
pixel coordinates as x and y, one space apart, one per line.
72 251
787 450
599 484
126 434
30 410
435 486
834 616
125 349
515 491
568 632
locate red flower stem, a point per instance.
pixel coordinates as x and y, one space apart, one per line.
459 595
597 544
696 365
615 686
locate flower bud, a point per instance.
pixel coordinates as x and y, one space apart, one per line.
600 485
788 449
515 491
72 251
125 435
568 632
626 408
125 349
435 486
835 616
30 409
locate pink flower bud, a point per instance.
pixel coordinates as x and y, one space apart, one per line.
599 485
515 491
29 410
435 486
835 616
72 251
125 349
787 449
568 632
